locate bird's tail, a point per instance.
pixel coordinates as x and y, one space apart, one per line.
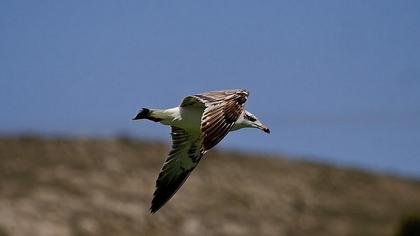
146 113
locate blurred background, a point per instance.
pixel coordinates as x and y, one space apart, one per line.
337 82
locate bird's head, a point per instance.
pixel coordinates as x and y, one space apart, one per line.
252 121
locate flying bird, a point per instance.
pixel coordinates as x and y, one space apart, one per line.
197 125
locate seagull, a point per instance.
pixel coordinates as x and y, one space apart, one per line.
197 125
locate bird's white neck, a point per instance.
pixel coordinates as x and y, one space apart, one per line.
240 123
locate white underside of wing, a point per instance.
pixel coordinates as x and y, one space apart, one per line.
181 160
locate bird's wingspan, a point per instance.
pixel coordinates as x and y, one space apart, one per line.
222 110
182 159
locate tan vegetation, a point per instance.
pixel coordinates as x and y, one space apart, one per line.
104 187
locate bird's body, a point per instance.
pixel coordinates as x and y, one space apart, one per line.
198 124
187 118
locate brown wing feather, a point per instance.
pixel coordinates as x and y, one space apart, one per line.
223 108
221 95
210 98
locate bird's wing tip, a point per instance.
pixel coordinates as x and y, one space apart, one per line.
153 210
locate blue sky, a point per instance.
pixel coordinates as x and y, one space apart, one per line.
336 81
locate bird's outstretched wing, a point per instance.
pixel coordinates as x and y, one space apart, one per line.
221 110
182 159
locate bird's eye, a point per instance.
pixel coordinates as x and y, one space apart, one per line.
251 118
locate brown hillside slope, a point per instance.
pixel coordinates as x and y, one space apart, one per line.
103 187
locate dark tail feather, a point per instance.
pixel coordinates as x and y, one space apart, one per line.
143 114
146 114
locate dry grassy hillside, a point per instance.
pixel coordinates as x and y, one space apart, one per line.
103 187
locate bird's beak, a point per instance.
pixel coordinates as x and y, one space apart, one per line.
263 128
